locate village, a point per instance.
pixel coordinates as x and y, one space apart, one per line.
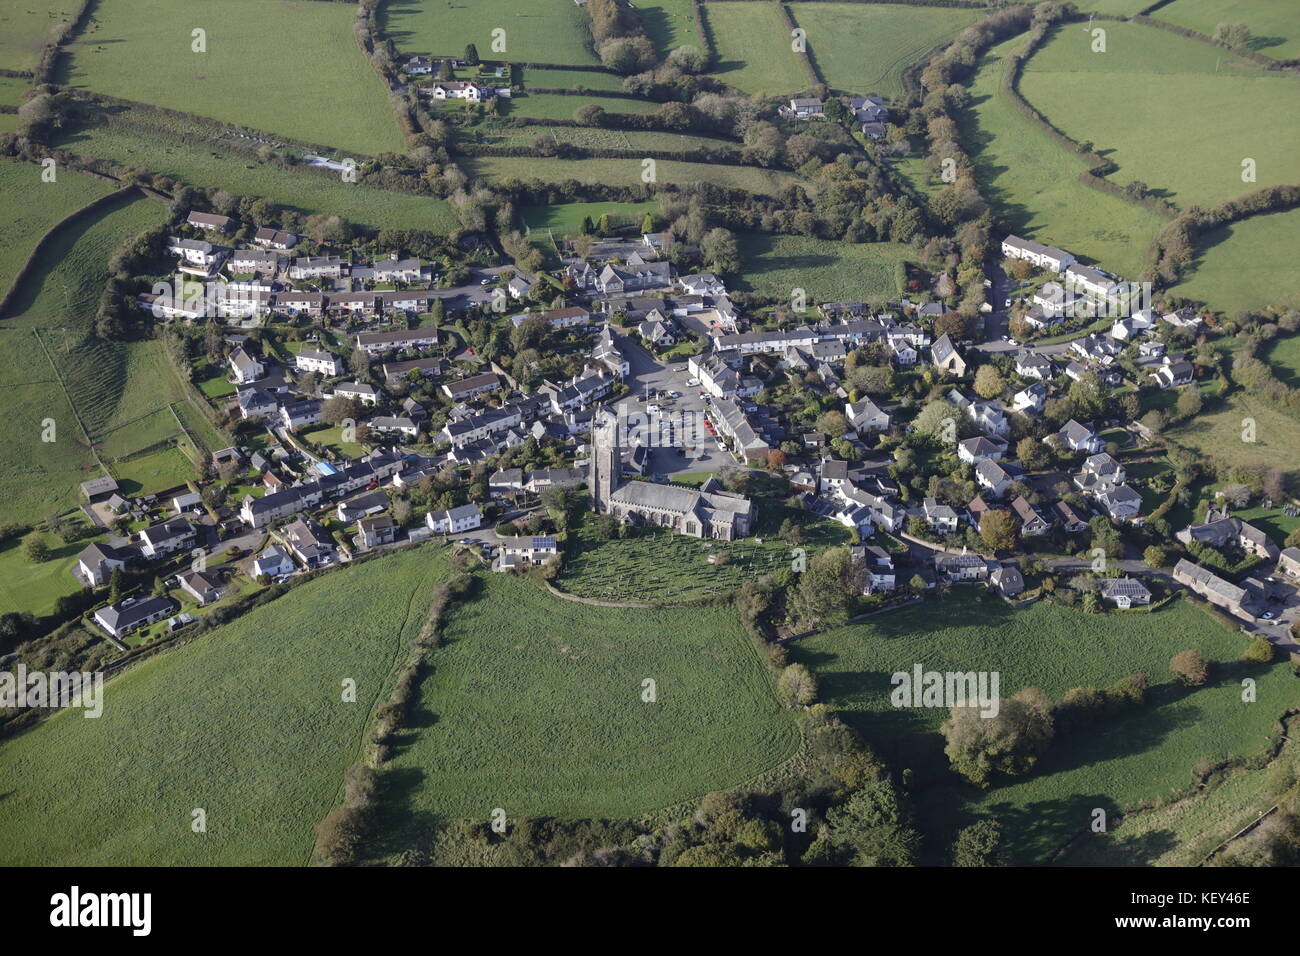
988 465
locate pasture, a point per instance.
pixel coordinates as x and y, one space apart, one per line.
1283 354
1139 755
753 49
1218 431
553 106
627 172
534 704
1274 29
1140 93
566 219
25 586
1032 183
320 88
247 722
827 271
26 26
540 31
863 48
544 79
188 151
669 24
1246 265
31 207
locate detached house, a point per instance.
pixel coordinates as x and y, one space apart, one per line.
944 355
1079 437
805 107
96 564
132 614
309 543
454 520
961 568
942 518
1032 522
245 368
211 222
175 534
1124 593
316 360
866 416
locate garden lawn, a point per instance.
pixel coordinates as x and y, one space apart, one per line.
1141 93
1031 180
827 271
1140 755
863 48
559 106
754 49
1246 265
247 722
539 31
1274 27
25 586
566 219
534 704
290 68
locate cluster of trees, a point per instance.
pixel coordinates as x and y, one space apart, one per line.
619 38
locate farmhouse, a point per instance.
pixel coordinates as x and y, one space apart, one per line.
1236 600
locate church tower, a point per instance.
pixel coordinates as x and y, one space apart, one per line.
605 469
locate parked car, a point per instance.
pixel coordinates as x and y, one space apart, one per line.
692 383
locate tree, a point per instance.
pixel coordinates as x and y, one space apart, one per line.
1261 650
1155 556
339 409
979 845
359 363
1189 402
1032 453
998 529
648 224
937 419
1232 34
115 586
916 585
832 424
1010 742
471 55
821 596
35 549
720 251
1189 668
871 828
989 382
797 686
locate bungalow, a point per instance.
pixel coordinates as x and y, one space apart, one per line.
454 520
805 107
418 66
1124 593
1071 522
132 614
1045 257
317 360
363 505
309 543
426 367
376 530
174 534
395 424
211 222
376 343
246 369
202 586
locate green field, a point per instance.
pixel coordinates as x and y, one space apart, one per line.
320 88
566 219
25 586
1115 764
32 206
26 26
553 106
1031 180
534 705
12 89
1274 27
827 271
670 24
863 48
1283 354
1142 92
247 723
541 31
544 79
753 49
1246 265
627 172
136 140
1218 432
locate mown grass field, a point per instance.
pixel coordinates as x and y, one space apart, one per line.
1031 181
627 172
247 722
670 24
827 271
1141 92
659 566
544 79
1283 354
534 704
1246 265
1144 754
319 88
26 26
863 48
136 140
553 106
566 218
31 207
753 49
1274 27
25 586
541 31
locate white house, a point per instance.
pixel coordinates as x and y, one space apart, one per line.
317 360
454 520
1045 257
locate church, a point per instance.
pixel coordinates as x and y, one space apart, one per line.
707 512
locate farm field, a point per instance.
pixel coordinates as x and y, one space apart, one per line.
12 89
25 28
541 31
658 567
753 49
1246 265
1283 354
547 719
32 207
1115 764
827 271
566 219
184 154
670 24
35 587
588 137
251 729
1031 181
627 172
863 48
544 79
1217 433
553 106
1139 93
1274 29
337 97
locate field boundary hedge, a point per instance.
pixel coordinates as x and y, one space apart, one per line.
805 58
93 206
706 34
1257 58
